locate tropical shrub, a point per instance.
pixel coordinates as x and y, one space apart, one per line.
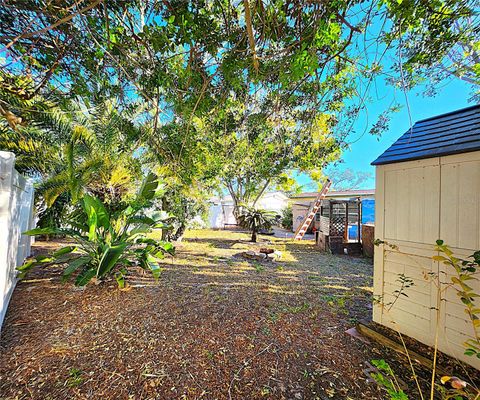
287 218
106 244
255 219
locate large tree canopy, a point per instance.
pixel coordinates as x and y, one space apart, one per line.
239 91
185 57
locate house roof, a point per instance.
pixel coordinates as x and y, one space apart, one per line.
337 193
451 133
302 203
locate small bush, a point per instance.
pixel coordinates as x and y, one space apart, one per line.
287 218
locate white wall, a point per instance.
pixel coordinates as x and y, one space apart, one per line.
418 202
16 216
275 201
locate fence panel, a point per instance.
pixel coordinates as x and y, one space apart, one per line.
16 216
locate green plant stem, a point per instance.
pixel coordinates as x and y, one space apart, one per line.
411 365
435 349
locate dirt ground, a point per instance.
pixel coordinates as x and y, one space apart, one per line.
214 326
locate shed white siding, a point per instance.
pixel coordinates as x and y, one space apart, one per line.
418 202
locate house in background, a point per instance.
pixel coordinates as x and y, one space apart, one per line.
221 209
428 188
301 203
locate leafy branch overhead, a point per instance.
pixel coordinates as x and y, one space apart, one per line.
186 56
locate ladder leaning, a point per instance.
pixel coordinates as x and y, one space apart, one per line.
303 227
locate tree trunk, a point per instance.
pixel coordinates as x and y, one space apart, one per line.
260 194
254 236
236 201
178 235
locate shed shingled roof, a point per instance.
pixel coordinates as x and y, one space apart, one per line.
451 133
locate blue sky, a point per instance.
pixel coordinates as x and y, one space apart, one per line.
367 148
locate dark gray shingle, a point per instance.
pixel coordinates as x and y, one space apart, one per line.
452 133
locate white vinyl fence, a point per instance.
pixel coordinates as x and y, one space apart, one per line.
16 216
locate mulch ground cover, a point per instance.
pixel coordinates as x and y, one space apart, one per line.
213 326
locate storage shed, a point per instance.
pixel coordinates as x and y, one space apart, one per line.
428 188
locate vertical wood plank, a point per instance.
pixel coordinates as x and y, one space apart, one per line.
378 271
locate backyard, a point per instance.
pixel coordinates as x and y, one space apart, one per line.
213 326
192 194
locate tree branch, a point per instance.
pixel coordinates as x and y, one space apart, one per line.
50 27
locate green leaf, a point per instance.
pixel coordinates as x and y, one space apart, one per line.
141 219
148 188
43 258
43 231
147 241
92 203
85 276
140 228
153 266
167 247
92 225
110 258
31 263
64 250
120 278
74 265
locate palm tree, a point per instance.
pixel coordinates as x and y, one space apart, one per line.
98 155
35 149
255 219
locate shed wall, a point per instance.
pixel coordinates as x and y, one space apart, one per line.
418 202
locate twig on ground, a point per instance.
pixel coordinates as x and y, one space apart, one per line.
245 363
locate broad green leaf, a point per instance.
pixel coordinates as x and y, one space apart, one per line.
102 217
147 241
43 231
162 225
141 219
120 278
64 250
140 228
167 247
28 264
110 258
92 225
148 188
31 263
74 265
153 266
85 276
43 258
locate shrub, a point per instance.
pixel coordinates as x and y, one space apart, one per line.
104 244
287 218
